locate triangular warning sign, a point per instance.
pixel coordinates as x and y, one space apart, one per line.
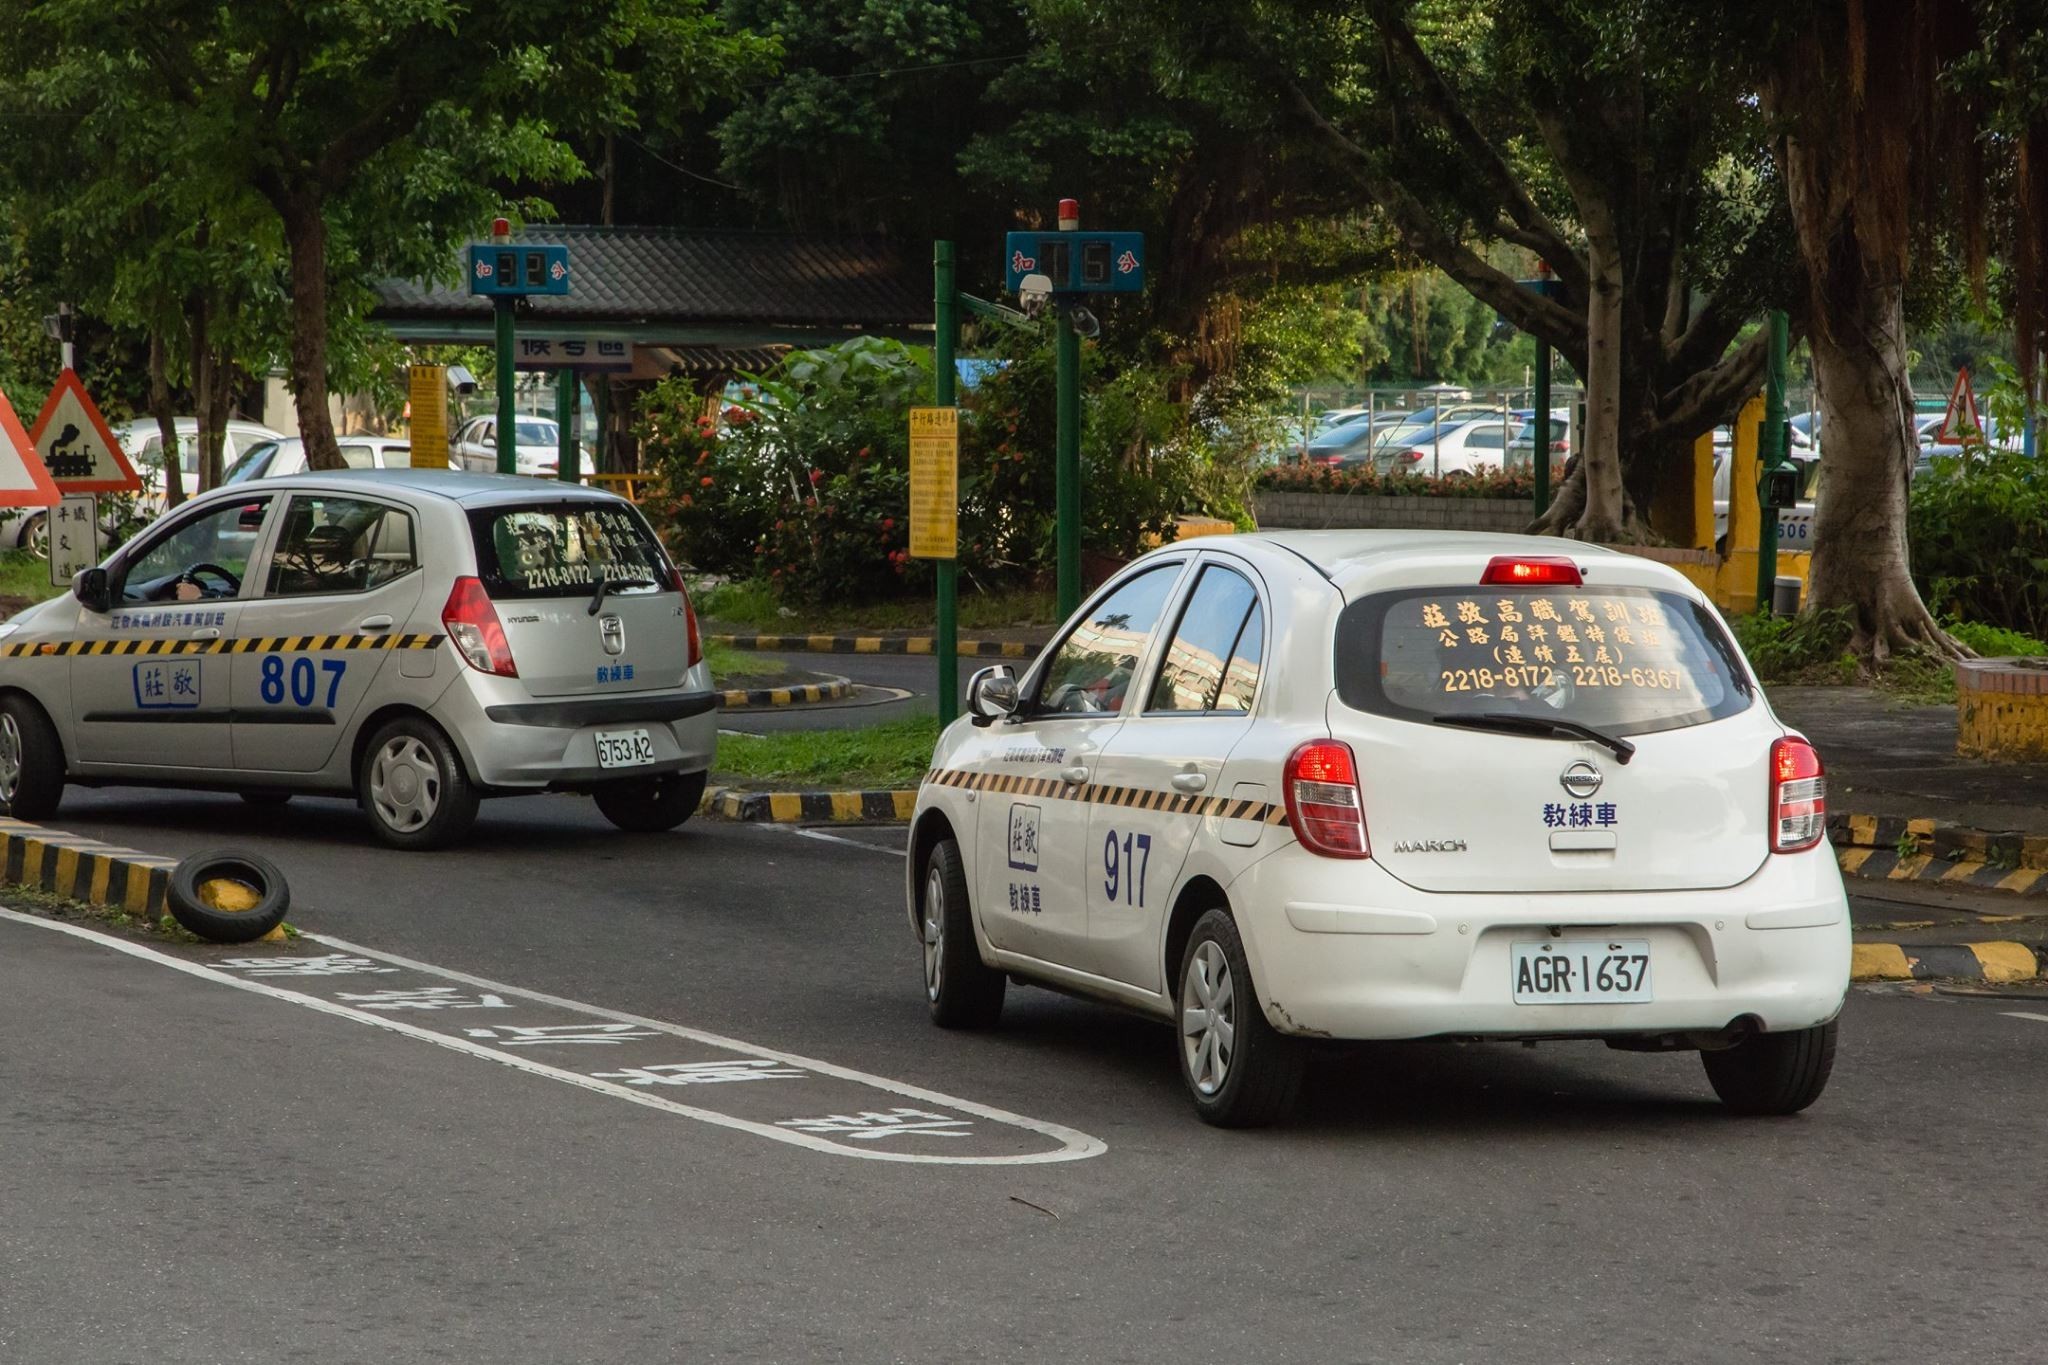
75 445
23 480
1962 402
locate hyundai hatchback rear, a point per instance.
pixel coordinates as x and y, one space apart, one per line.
1392 785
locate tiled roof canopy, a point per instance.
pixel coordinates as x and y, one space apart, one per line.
659 275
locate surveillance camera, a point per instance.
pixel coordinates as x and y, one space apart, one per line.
1034 292
461 380
1084 322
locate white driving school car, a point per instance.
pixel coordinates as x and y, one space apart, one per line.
1391 785
416 638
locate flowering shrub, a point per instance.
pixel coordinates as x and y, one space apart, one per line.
1307 477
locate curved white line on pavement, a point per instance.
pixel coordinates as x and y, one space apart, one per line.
1075 1145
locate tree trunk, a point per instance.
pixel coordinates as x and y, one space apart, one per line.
214 421
1601 520
161 408
610 174
204 380
305 234
1860 556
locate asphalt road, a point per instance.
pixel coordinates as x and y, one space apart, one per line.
888 687
196 1171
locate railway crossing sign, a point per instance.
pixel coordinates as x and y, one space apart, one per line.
76 447
23 480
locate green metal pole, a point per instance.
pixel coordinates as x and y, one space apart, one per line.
1067 496
508 416
1770 454
945 340
1539 429
601 418
569 460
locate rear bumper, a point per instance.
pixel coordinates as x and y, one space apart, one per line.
1344 950
511 742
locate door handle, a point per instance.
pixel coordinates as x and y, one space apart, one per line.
375 623
210 633
1074 776
1190 782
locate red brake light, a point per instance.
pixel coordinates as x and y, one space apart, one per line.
1799 796
1530 571
1323 805
1408 457
675 576
473 625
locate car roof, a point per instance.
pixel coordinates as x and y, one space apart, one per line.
1348 558
460 486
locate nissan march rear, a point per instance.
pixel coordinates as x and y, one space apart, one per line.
1392 786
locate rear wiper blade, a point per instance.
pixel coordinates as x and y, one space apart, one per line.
605 585
1541 725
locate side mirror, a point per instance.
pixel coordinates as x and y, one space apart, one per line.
91 589
991 694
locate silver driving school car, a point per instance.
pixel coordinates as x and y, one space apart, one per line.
418 638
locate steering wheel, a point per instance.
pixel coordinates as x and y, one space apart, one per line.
193 574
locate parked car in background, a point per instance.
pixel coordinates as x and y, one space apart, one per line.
143 443
273 459
1426 424
537 450
1470 447
1522 445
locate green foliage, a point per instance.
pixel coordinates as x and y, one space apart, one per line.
1799 649
1979 532
1993 642
1424 329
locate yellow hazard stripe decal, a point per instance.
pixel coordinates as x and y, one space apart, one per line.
1089 793
245 644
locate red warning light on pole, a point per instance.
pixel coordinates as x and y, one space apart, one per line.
1070 215
501 229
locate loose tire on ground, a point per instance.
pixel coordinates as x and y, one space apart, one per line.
650 805
228 897
412 785
31 760
1773 1073
961 990
1240 1072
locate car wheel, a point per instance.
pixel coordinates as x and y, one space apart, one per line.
31 761
1773 1073
1239 1070
961 989
650 805
228 897
413 786
35 535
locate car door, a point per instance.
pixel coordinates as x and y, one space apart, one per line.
150 681
1164 766
343 574
1040 769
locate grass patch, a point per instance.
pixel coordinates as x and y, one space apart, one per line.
894 754
1815 651
23 575
164 929
750 604
1993 642
727 662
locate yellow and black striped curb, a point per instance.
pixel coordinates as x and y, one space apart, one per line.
804 808
1868 846
876 644
82 869
245 644
1994 962
744 698
1097 794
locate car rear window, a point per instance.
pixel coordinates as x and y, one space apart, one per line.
560 549
1622 660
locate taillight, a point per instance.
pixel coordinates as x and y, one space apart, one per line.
473 625
1799 796
675 576
1408 457
1530 570
1323 806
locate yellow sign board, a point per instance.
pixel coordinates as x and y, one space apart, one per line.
427 389
934 483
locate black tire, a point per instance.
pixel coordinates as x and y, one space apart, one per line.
35 535
267 800
1773 1073
650 805
412 785
961 990
199 902
31 761
1253 1078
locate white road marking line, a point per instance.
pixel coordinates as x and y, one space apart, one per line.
824 837
2022 1014
1076 1145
